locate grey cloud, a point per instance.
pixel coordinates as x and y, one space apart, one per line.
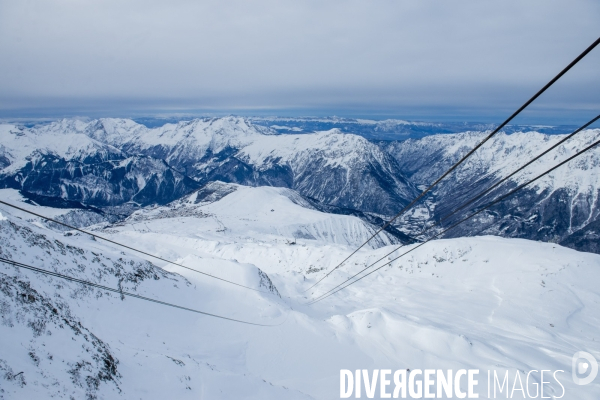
294 54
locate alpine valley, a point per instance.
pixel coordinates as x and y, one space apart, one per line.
274 210
116 166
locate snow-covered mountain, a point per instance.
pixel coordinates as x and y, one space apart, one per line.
177 192
57 162
331 167
118 165
61 140
483 303
562 207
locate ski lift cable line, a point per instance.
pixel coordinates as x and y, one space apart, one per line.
459 162
427 229
332 292
120 292
569 136
129 247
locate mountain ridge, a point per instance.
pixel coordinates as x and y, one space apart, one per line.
336 170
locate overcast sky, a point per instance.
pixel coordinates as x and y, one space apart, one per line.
426 60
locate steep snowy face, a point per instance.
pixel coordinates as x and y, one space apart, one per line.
424 160
57 161
182 145
561 207
334 168
60 140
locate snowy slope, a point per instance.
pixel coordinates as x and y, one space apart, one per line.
60 139
487 303
473 302
70 341
244 214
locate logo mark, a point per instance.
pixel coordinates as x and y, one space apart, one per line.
583 363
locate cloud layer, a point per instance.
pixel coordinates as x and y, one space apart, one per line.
387 57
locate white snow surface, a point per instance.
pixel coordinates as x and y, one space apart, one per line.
187 140
261 146
247 213
499 157
504 153
62 139
483 302
472 303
